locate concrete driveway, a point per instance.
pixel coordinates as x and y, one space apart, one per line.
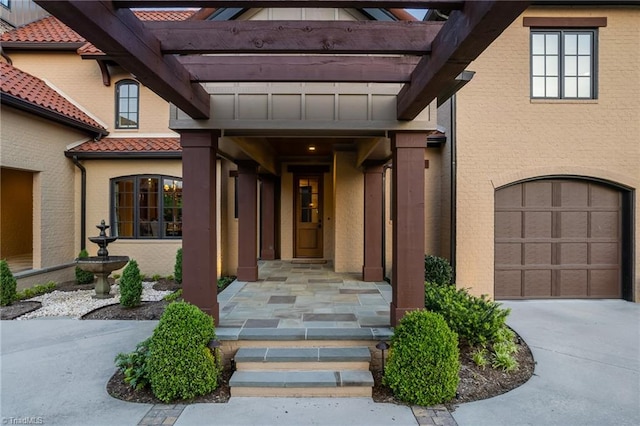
587 355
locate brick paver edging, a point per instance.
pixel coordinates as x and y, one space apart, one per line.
162 414
438 415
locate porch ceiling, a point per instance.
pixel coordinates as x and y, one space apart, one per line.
425 56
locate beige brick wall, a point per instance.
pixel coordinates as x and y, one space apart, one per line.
348 213
504 136
33 144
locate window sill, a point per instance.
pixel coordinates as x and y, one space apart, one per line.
563 101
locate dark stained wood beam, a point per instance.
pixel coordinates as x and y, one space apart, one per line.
402 4
310 37
121 36
465 35
354 69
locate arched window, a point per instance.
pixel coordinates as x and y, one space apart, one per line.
146 207
127 104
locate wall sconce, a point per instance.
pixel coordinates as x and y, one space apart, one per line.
383 346
311 148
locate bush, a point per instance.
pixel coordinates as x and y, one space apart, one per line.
83 277
437 270
223 282
177 269
131 285
37 290
181 365
476 320
8 284
134 365
423 361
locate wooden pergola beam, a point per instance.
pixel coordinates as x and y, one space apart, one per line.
309 37
353 69
401 4
465 35
121 35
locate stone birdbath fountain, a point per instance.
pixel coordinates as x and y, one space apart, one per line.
102 265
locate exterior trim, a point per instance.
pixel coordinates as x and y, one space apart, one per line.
534 21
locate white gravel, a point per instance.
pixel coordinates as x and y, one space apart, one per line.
75 304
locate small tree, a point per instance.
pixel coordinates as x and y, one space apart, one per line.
177 269
8 284
83 277
131 285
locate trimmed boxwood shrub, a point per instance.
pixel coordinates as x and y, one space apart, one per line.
476 320
181 365
437 270
131 285
423 365
177 268
8 284
83 277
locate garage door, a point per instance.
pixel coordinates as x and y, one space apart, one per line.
558 238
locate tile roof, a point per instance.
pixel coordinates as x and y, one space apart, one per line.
30 90
137 145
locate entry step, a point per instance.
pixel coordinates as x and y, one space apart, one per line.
297 359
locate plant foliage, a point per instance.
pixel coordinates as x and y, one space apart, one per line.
476 320
131 285
8 284
83 277
423 362
437 270
181 365
36 290
134 365
177 268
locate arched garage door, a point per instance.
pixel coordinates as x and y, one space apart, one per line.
558 238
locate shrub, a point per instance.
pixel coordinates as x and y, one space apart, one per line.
156 277
173 296
8 284
223 282
177 269
423 361
83 277
476 320
37 290
181 366
131 285
505 361
134 365
437 270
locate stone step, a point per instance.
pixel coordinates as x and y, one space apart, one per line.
315 359
324 383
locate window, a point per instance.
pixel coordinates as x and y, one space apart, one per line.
127 101
146 207
563 64
6 3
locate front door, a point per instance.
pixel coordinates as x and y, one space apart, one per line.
308 223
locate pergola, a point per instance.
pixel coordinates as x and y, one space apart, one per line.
174 58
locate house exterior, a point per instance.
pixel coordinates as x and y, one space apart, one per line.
326 170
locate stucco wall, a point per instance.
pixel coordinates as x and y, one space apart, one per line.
504 136
37 145
348 211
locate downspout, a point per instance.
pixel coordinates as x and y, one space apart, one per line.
452 242
83 203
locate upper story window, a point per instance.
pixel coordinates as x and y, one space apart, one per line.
127 103
146 206
563 64
6 3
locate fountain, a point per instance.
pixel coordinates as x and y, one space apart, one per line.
102 265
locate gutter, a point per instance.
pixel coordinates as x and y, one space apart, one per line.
83 203
125 155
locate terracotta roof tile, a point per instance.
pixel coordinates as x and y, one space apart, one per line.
34 91
141 145
164 15
45 30
89 49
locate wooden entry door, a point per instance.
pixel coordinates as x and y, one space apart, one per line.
308 212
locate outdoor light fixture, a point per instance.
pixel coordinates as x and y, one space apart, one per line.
383 346
311 148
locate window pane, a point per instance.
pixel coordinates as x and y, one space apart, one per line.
123 106
537 44
133 90
552 65
537 65
584 87
570 44
172 207
570 87
124 91
537 89
552 44
552 87
570 66
584 44
584 65
133 105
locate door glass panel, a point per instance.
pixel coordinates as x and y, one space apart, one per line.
308 200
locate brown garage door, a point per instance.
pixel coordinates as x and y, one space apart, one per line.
558 238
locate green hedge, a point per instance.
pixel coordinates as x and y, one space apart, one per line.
131 285
423 365
8 284
83 277
437 270
177 268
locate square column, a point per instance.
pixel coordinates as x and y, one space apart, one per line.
268 218
247 221
372 269
408 223
199 239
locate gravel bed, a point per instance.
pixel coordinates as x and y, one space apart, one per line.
77 303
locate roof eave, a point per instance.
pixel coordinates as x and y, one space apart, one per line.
125 155
30 45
